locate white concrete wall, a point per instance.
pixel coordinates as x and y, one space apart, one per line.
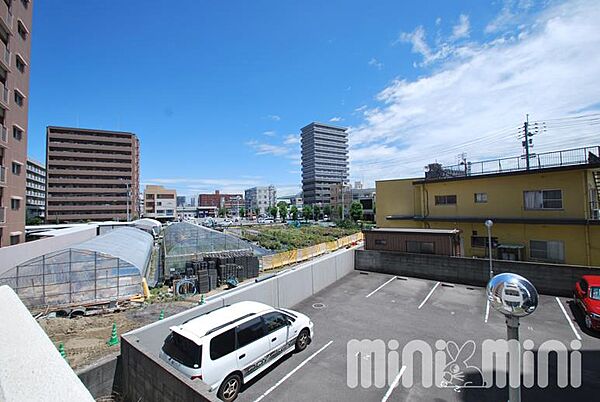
32 369
12 256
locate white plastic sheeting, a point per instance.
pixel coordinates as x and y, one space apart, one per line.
107 267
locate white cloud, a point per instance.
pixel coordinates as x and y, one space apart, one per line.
261 148
375 63
462 29
292 139
361 109
335 119
474 100
438 20
512 14
270 133
274 117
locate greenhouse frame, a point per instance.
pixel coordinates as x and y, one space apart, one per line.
185 242
106 268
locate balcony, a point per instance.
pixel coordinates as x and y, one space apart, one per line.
2 215
2 176
3 135
6 17
4 98
4 56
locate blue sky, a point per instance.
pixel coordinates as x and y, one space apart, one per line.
218 91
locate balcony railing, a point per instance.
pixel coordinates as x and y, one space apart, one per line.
568 157
4 98
2 215
6 15
4 54
3 134
2 175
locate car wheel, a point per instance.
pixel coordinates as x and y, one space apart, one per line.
588 322
230 388
302 340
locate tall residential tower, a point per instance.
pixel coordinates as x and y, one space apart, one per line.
324 161
93 175
15 48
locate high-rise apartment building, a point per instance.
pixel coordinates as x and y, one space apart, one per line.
15 48
261 198
36 189
161 203
93 175
324 161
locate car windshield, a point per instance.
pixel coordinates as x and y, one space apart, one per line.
595 293
183 350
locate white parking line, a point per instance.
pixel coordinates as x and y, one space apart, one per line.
369 295
487 309
288 375
568 319
393 385
429 295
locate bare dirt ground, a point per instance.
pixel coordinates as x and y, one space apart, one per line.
85 338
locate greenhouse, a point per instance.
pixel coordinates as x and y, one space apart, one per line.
185 242
107 267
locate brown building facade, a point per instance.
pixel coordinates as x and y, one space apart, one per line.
232 202
421 241
15 49
93 175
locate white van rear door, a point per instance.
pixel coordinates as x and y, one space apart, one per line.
252 346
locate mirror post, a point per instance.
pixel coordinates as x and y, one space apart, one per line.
514 363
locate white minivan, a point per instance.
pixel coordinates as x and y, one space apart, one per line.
229 346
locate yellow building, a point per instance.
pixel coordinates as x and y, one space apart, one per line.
549 213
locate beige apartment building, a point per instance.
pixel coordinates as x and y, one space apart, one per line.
15 49
92 175
160 203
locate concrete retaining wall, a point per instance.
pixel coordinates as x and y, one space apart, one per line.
283 290
550 279
152 380
103 378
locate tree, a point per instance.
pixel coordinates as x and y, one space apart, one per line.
256 211
327 210
273 212
294 212
340 212
356 211
222 212
242 212
307 212
35 221
317 212
283 210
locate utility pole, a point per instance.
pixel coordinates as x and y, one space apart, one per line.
526 142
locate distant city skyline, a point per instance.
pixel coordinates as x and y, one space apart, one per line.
218 100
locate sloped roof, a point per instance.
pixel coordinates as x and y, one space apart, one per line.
129 244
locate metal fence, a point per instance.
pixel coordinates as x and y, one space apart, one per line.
567 157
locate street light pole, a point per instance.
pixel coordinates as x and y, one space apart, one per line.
488 225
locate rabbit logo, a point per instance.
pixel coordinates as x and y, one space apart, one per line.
456 370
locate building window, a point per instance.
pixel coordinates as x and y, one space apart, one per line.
16 168
380 242
482 241
547 250
15 204
19 99
480 198
15 240
445 200
17 133
22 30
543 199
422 247
19 63
25 3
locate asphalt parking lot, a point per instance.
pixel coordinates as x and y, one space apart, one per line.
377 306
